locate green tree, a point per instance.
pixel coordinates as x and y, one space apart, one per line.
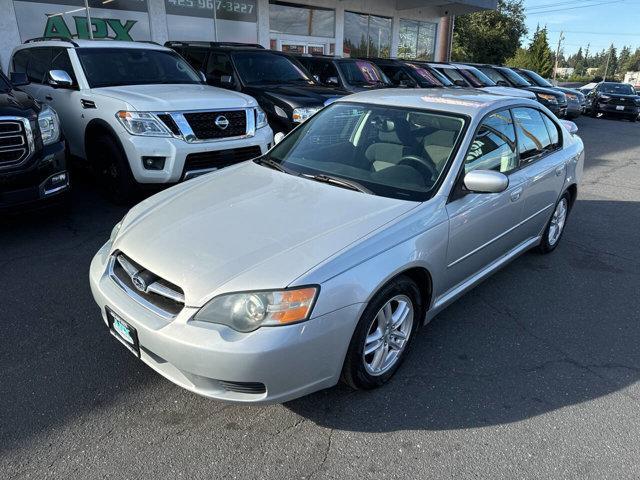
490 36
623 61
540 54
608 63
521 59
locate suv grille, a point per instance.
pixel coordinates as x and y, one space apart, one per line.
15 142
210 125
148 289
220 158
629 102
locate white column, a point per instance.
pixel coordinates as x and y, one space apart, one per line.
340 30
9 35
157 21
395 36
263 23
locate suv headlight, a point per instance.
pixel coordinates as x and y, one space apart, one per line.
261 118
605 98
49 125
248 311
546 97
302 114
142 123
572 96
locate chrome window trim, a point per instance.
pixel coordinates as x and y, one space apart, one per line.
28 134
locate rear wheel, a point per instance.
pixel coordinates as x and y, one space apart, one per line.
112 170
383 335
555 227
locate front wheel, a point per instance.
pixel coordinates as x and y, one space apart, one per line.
555 227
383 335
113 171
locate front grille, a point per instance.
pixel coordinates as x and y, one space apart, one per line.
147 288
220 158
171 124
244 387
204 124
627 102
14 142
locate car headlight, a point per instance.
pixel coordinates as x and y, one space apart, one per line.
142 123
605 98
547 98
261 118
571 96
302 114
248 311
115 231
49 125
637 100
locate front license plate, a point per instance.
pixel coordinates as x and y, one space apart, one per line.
619 107
124 332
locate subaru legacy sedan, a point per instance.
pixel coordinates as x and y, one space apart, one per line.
321 260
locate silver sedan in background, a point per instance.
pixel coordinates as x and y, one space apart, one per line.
319 261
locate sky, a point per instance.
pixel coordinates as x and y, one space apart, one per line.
599 22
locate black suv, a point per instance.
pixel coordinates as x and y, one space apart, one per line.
505 77
409 74
614 98
351 74
32 152
281 85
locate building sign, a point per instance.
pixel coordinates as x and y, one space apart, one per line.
114 19
193 20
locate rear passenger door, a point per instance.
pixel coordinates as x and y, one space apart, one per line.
484 226
543 162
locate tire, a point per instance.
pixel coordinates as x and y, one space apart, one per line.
593 113
112 170
358 369
551 237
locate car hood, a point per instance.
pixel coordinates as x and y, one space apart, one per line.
247 227
548 91
511 92
298 95
180 97
17 103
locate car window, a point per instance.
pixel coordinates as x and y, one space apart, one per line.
20 61
39 64
533 136
264 67
195 56
617 88
325 71
554 131
494 146
391 151
361 72
61 61
218 66
397 75
454 75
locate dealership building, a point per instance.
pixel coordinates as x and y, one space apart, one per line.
387 28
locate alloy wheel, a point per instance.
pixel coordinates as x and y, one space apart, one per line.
558 221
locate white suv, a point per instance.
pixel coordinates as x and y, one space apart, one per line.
139 113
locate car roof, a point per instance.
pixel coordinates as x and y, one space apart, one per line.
466 101
90 44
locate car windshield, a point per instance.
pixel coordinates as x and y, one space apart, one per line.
514 78
536 79
473 73
264 67
5 85
454 75
425 77
388 151
361 72
110 67
617 88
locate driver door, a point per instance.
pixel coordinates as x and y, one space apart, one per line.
484 226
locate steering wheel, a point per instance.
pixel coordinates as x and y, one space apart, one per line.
426 167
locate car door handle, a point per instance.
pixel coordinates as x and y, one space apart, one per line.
515 195
49 98
559 170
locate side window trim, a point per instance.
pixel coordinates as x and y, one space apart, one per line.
543 154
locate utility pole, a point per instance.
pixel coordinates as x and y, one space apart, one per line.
89 25
555 70
606 69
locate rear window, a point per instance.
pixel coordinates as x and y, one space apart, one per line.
361 72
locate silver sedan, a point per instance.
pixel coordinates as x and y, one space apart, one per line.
320 261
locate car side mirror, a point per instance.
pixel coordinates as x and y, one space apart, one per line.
460 83
486 181
333 81
571 127
203 77
278 137
227 81
502 83
19 79
59 79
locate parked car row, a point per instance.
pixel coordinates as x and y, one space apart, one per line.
120 112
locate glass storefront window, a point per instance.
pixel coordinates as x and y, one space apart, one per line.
301 20
417 40
367 35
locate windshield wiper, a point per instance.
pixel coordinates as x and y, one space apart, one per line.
271 164
338 182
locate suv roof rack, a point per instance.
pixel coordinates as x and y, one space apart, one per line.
46 39
175 43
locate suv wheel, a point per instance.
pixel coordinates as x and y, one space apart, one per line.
383 334
112 170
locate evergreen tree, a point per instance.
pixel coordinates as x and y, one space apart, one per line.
540 55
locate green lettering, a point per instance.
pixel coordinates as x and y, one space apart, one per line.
56 27
121 30
99 27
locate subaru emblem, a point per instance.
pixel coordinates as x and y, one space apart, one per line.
139 283
222 122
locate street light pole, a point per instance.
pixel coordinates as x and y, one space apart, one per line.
555 70
89 26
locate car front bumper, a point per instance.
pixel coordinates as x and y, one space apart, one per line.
218 362
175 152
28 186
628 111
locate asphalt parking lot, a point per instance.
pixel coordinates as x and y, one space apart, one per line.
534 374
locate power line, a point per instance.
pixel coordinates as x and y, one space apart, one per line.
574 8
558 4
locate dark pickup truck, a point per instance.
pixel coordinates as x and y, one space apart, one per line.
32 152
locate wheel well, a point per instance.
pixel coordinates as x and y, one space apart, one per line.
96 129
573 194
422 279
